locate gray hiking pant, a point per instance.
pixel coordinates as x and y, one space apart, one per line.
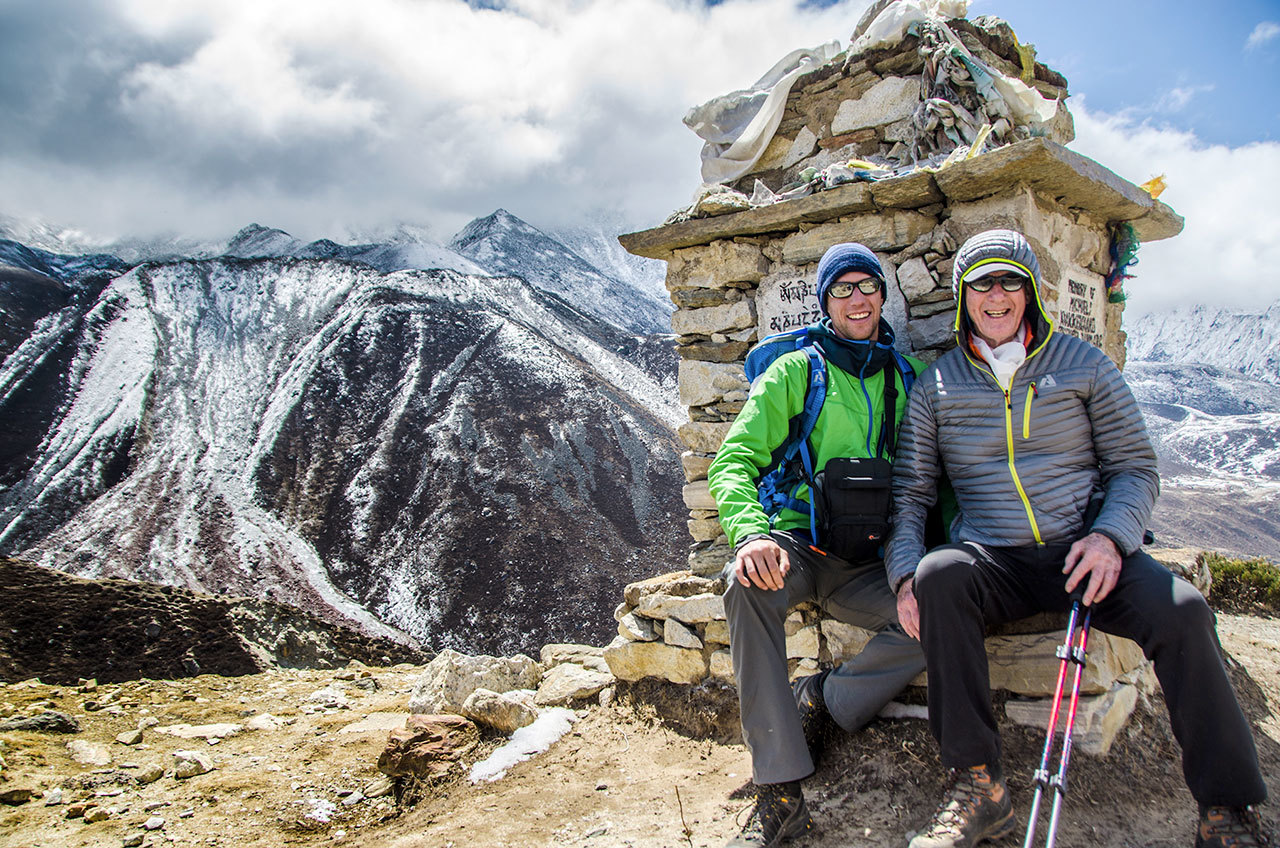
855 593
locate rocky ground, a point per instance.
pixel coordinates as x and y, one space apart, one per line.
291 757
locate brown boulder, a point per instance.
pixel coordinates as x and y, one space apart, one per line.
428 746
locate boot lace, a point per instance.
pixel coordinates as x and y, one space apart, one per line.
961 802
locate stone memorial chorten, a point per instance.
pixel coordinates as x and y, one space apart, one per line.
928 129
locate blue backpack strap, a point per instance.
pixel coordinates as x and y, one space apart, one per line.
814 397
905 370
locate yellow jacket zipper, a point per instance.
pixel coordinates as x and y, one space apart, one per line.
1026 412
1013 470
1008 432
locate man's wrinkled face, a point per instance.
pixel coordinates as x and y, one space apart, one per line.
997 313
857 315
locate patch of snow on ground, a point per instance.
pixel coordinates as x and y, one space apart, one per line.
549 726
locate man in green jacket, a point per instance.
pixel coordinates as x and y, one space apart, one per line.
777 565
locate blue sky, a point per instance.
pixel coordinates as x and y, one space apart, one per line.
1184 64
328 118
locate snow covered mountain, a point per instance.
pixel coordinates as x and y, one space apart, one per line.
1247 342
463 458
503 243
1207 383
584 265
598 244
396 254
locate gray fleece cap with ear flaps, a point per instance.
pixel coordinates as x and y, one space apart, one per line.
996 250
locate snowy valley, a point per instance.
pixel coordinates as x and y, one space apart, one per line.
1208 381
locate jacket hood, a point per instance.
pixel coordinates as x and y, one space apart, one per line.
1005 247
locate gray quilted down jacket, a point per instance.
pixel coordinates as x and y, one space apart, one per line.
1023 465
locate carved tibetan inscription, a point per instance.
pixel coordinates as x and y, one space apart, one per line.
1081 306
786 301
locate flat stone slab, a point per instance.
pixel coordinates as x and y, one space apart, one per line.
1074 180
1099 718
659 242
1046 167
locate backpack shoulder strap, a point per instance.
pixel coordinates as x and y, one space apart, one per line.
814 397
889 432
795 459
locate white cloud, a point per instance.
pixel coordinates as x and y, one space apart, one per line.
430 111
1176 99
1262 33
1228 254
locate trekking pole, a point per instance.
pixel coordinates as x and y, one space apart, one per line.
1069 652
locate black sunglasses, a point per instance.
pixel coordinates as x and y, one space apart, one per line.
1008 282
841 290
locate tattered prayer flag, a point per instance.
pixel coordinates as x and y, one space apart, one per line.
1154 186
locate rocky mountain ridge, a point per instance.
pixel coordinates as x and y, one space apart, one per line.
583 264
506 244
1230 339
1206 381
418 449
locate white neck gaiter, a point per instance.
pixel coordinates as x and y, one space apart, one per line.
1006 359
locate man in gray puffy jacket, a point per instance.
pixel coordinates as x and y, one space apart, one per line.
1030 425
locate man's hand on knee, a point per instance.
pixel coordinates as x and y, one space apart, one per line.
1096 557
909 608
762 563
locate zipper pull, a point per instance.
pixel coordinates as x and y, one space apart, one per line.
1008 400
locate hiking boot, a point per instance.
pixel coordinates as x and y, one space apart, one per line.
1230 827
780 814
815 719
976 808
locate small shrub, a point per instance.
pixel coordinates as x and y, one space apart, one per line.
1243 584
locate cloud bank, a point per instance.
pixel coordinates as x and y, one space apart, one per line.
318 115
325 117
1228 254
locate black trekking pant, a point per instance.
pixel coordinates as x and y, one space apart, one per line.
964 589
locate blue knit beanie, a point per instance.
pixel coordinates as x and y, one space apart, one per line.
839 260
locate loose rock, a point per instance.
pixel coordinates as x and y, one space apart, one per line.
428 746
378 788
506 712
451 677
189 764
570 682
14 797
130 737
150 774
46 722
89 753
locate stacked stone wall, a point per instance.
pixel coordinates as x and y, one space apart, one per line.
732 292
860 107
672 627
737 273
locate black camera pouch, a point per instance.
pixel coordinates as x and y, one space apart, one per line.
852 496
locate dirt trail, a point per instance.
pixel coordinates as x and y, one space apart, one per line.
622 777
